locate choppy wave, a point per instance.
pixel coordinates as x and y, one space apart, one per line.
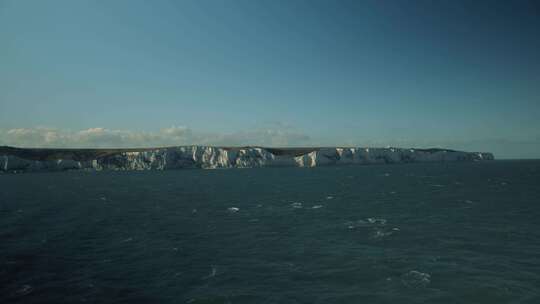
415 278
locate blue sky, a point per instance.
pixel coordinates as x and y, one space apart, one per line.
456 74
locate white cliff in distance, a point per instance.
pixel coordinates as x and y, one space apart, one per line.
208 157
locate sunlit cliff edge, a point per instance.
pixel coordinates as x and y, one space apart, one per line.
208 157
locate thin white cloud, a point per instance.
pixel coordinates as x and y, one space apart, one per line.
175 135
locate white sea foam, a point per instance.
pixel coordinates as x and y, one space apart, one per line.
377 221
317 207
233 209
296 205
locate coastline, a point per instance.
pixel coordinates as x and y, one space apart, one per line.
208 157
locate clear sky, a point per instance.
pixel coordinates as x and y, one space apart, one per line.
456 74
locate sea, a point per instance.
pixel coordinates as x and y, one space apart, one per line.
405 233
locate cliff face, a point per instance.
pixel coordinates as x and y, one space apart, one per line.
205 157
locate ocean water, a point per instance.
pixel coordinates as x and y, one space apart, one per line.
410 233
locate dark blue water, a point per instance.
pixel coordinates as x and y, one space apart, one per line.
414 233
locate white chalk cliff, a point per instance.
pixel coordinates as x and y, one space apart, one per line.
207 157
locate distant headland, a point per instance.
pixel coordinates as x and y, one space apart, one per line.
14 159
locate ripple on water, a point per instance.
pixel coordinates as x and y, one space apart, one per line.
212 273
369 222
416 279
296 205
24 290
381 233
